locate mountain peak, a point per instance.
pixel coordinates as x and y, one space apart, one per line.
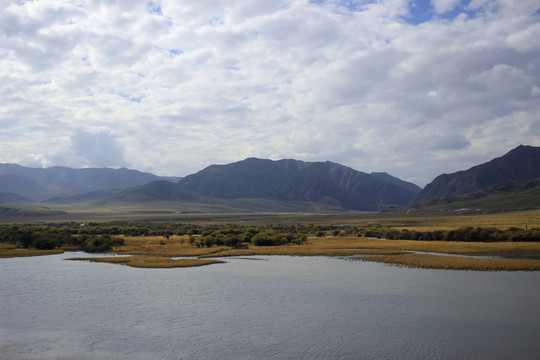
519 164
294 180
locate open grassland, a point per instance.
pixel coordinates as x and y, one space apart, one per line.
456 263
151 261
167 212
448 221
10 251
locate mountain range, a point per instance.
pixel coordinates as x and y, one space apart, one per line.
284 185
40 184
326 183
292 180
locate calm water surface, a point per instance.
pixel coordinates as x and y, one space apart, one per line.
264 308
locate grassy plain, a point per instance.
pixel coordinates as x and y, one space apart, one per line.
427 221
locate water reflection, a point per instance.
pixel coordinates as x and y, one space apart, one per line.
284 307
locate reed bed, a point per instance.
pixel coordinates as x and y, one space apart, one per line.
449 247
151 261
456 263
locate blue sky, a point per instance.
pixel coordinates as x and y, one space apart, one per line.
413 88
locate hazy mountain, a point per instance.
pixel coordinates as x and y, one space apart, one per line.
91 196
159 191
7 198
19 184
40 184
415 189
28 212
291 180
519 164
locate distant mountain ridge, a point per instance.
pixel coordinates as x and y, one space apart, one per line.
332 185
41 183
293 180
519 164
261 185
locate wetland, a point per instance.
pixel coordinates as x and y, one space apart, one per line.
317 290
273 308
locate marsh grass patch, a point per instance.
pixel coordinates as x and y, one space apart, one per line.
151 261
428 261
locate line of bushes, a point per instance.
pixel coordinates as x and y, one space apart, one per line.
169 229
467 234
94 237
236 239
47 238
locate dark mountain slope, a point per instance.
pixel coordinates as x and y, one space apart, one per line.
415 189
292 180
519 164
513 195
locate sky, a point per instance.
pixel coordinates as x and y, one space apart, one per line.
412 88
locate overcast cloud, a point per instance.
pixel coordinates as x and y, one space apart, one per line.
413 88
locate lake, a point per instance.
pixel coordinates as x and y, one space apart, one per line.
264 307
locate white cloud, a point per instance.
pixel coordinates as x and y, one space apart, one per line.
98 149
173 86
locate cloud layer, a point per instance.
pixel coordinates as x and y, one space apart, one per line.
412 88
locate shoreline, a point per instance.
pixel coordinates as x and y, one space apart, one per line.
157 252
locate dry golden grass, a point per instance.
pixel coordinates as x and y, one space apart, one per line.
151 261
158 245
297 250
449 247
158 252
9 251
456 263
502 220
179 246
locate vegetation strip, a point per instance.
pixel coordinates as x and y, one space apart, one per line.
157 243
151 261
